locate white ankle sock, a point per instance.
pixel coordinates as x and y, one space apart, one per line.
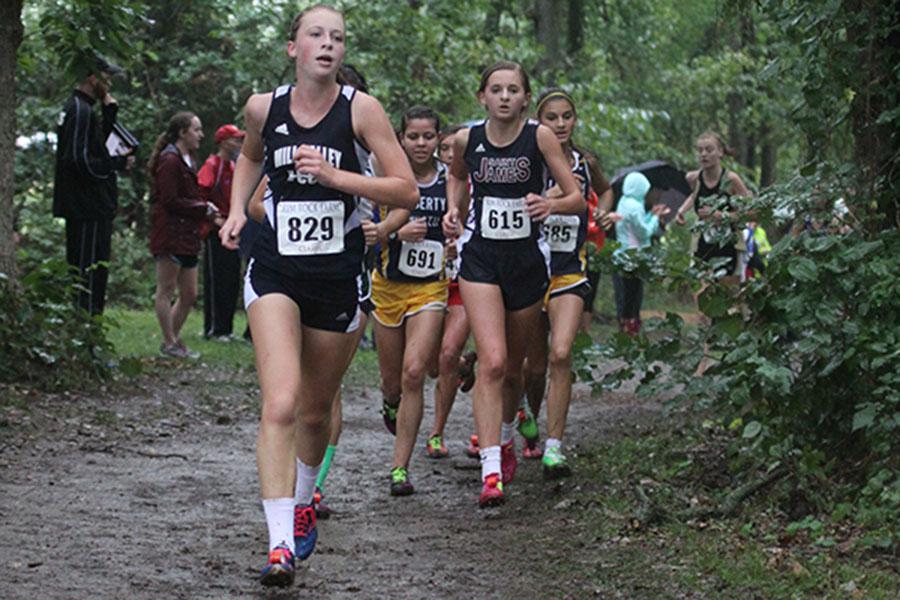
306 483
552 443
280 520
508 431
490 461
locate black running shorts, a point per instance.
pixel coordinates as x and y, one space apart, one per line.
521 269
328 304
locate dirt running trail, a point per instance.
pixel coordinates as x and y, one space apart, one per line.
151 492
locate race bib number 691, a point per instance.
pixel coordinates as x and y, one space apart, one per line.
306 228
421 259
504 219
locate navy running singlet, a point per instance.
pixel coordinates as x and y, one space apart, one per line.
424 260
311 230
565 234
501 178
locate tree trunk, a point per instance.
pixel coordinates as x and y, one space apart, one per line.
492 20
736 137
576 26
739 129
875 152
10 38
768 156
548 25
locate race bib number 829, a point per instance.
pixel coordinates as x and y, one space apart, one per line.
306 228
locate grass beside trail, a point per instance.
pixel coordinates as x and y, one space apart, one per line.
135 333
598 546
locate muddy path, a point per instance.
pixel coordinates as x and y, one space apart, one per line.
149 491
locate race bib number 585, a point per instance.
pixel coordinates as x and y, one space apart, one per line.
561 232
504 219
309 227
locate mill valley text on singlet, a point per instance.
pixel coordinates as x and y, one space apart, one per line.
311 230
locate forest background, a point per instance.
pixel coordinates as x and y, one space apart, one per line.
806 366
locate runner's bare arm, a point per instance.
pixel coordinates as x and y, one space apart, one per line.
255 208
737 185
397 186
571 200
457 187
693 180
395 219
598 179
248 169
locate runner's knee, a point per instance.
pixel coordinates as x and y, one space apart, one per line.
448 361
413 374
560 357
279 409
492 368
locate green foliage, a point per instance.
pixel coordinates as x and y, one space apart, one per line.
74 30
806 356
648 77
44 339
757 553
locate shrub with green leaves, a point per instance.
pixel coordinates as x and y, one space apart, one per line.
805 359
44 339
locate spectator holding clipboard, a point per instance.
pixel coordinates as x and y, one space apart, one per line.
85 192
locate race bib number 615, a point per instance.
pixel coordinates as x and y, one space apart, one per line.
306 228
504 219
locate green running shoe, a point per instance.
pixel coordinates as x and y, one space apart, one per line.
400 484
434 447
554 464
528 426
389 413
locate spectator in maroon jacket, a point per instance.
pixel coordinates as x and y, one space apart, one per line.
177 215
221 266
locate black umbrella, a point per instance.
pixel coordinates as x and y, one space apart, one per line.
669 181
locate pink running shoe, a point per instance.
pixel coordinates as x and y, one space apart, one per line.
473 451
491 491
508 461
532 450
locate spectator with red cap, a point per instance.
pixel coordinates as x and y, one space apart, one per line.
221 266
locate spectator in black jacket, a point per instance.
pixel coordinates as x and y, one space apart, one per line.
85 193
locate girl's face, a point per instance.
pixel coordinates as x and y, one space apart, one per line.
709 152
192 135
445 149
504 96
420 140
318 47
559 115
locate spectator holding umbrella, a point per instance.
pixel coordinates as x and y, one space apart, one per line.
633 231
670 188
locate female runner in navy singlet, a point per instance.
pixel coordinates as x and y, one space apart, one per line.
311 139
505 263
